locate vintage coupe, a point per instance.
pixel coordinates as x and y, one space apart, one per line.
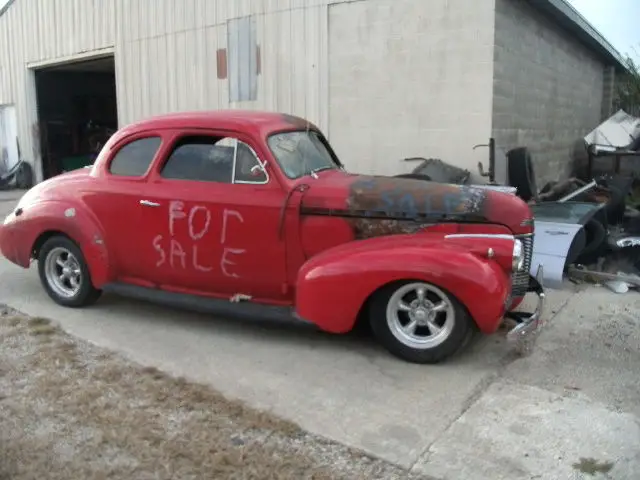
242 212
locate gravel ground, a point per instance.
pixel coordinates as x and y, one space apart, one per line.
70 410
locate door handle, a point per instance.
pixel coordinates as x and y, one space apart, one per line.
149 203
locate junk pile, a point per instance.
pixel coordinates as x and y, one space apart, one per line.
587 229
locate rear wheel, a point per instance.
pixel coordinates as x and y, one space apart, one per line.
64 273
419 322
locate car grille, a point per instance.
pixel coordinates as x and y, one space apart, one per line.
520 280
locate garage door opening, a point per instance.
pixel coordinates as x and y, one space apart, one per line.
77 113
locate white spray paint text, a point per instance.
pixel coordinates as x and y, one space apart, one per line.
198 224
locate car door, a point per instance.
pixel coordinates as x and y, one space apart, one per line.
210 220
115 201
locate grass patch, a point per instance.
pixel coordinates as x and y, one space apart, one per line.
38 321
13 321
39 330
75 411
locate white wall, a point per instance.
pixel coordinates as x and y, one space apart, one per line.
410 78
166 57
8 136
165 53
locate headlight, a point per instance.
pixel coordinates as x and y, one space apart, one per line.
517 262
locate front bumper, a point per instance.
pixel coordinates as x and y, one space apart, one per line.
528 323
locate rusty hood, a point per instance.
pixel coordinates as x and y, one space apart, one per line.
395 199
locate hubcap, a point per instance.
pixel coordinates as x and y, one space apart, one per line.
420 315
63 272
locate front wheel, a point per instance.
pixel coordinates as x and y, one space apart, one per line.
64 273
419 322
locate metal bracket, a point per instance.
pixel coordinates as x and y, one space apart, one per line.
581 273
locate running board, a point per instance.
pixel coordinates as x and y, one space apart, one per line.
195 303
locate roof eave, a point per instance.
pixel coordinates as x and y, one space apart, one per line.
570 19
6 6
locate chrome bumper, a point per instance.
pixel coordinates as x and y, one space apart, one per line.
528 323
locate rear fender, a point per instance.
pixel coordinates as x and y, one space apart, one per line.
74 221
334 285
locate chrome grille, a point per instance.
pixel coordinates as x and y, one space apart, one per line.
520 280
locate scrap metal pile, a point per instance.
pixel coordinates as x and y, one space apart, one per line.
587 227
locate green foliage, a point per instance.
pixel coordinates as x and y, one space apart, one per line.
627 94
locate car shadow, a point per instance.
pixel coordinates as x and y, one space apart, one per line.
482 351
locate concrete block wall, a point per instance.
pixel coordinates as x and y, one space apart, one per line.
608 92
548 88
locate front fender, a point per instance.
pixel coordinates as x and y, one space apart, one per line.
333 286
22 231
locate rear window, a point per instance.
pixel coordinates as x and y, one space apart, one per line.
133 159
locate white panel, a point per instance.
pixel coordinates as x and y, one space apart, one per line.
8 138
241 55
407 81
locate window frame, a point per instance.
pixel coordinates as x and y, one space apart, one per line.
219 136
117 149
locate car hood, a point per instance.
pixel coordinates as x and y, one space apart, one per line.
386 198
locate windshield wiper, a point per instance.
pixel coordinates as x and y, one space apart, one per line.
314 171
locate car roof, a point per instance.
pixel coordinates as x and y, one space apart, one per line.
251 121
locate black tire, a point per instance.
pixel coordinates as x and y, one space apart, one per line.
521 173
616 206
24 176
596 242
87 294
462 330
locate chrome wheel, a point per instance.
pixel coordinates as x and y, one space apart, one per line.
420 315
63 272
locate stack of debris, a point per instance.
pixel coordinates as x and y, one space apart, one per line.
587 229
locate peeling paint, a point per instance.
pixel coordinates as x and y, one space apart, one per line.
240 297
391 205
403 198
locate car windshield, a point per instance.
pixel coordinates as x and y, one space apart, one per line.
301 153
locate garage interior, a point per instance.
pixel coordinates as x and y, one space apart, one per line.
77 112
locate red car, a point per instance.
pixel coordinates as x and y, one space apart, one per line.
240 212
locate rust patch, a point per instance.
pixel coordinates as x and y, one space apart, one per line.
390 205
299 122
221 63
370 228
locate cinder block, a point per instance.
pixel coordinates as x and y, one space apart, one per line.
558 88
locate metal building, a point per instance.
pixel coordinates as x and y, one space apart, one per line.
385 79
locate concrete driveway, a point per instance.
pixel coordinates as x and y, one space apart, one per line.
570 410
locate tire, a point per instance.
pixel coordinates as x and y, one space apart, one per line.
521 174
24 176
60 250
456 328
616 206
596 242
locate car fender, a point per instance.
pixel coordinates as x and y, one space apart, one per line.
71 219
333 286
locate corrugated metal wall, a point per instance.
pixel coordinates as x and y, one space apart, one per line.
35 31
166 54
176 47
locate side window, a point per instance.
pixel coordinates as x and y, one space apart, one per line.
133 159
212 159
